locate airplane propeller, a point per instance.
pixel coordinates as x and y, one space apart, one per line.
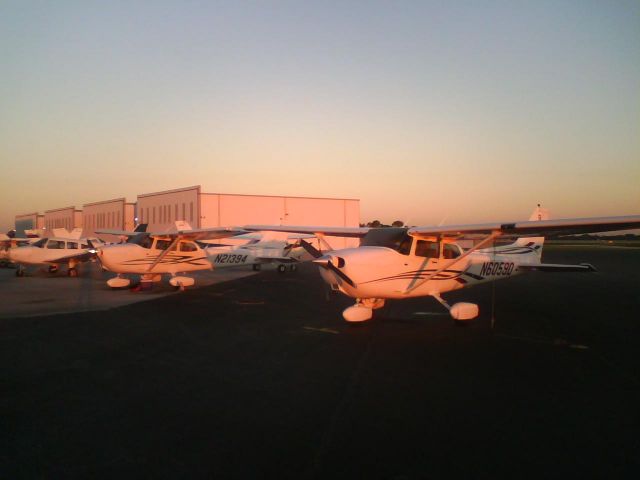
326 262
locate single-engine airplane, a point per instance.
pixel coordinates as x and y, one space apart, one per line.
152 255
397 263
283 250
67 249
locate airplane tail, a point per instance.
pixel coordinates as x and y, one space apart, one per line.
535 244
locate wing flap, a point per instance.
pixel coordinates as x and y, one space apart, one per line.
557 268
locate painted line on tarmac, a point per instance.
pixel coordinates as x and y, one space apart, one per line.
557 342
430 314
323 330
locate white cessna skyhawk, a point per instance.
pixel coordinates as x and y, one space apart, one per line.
283 250
151 255
397 263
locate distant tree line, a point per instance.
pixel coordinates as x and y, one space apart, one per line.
378 224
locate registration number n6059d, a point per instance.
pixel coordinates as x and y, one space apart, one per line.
496 268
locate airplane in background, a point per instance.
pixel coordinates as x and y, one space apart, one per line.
63 248
398 263
283 250
152 255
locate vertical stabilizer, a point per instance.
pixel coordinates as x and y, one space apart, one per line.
540 213
535 243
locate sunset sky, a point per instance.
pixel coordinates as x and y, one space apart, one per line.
424 110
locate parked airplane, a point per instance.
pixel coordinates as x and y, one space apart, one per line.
397 263
54 251
151 255
63 248
266 248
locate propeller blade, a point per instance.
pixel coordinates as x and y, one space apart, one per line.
310 249
325 262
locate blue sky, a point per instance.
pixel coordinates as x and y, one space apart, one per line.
468 111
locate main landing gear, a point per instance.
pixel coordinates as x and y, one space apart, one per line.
283 268
19 271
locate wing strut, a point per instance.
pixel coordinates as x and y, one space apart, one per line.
415 283
164 253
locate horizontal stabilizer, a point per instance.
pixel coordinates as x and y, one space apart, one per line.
552 267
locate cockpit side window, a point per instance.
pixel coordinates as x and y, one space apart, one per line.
405 245
425 248
55 244
451 250
162 244
40 243
188 247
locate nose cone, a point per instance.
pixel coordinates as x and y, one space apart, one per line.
117 258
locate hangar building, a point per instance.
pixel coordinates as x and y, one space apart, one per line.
201 210
114 214
68 217
28 221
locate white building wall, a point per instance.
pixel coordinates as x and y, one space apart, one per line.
237 210
114 214
28 221
201 210
160 210
67 217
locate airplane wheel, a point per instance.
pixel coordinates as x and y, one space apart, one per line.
19 272
282 268
256 267
53 268
72 272
293 268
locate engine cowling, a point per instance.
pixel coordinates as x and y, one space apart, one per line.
464 311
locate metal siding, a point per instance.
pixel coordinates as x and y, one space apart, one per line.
159 203
247 209
209 210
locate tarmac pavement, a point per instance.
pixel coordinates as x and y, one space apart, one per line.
260 377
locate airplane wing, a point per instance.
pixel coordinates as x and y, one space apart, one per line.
536 228
191 234
122 233
208 233
81 256
356 232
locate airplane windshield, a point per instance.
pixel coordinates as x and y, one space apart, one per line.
394 238
40 243
143 240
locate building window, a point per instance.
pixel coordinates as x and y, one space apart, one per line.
191 212
154 214
184 216
176 212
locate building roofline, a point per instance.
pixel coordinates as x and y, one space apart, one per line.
28 214
63 208
121 199
197 187
279 196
